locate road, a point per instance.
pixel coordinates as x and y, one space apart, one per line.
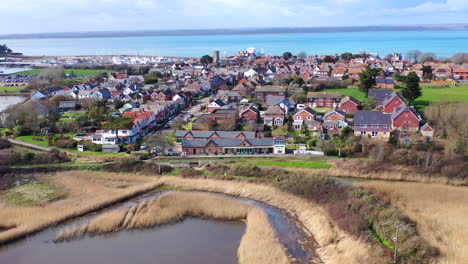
192 110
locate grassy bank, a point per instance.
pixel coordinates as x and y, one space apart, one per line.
439 210
31 194
258 245
291 163
12 89
77 72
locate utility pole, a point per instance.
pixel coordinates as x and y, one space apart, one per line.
395 239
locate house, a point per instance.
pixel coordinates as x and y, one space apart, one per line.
379 95
323 99
349 105
374 124
303 115
405 118
392 102
45 107
250 114
261 92
443 72
354 73
287 104
124 135
48 92
338 72
203 122
460 72
274 116
244 88
65 106
103 94
234 146
216 104
427 131
335 115
386 83
110 148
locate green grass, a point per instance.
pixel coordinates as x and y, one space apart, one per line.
432 95
12 89
77 72
354 92
303 164
45 143
31 194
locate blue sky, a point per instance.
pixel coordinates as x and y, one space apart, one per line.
34 16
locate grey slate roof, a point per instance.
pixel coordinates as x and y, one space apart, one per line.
200 143
372 118
207 134
379 94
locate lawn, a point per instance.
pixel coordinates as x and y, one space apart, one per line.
300 164
31 194
354 92
77 72
45 143
431 95
12 89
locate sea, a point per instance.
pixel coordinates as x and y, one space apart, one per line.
442 43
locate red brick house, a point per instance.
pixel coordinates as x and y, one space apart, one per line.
251 114
305 114
392 102
335 115
261 92
405 118
216 104
385 83
162 96
323 99
460 72
349 105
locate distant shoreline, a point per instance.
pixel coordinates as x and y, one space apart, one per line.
252 31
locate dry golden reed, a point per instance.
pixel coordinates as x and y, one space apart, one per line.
259 244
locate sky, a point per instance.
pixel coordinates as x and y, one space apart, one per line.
40 16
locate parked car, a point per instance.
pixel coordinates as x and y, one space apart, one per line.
171 152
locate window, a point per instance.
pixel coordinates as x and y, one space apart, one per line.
299 117
309 117
374 134
363 133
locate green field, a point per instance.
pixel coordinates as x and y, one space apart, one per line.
77 72
12 89
45 143
31 194
291 163
431 95
354 92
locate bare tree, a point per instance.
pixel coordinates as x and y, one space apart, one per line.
413 55
302 55
460 58
428 56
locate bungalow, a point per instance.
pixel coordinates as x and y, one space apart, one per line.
48 92
373 124
234 146
349 105
323 99
460 72
274 116
443 71
405 118
335 115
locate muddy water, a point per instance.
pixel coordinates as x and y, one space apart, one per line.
190 241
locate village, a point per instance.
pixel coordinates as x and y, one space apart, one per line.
245 104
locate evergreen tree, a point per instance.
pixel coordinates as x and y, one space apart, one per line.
367 78
412 89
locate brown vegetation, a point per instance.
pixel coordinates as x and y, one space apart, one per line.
440 212
258 245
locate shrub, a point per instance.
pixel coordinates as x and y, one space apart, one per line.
65 143
4 144
191 173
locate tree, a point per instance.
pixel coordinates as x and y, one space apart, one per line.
118 104
329 59
369 103
413 55
302 55
412 89
117 123
206 59
367 78
346 56
425 57
427 72
156 142
5 49
460 58
287 55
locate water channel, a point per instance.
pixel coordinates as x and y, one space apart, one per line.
192 240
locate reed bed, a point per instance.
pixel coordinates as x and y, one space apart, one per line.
440 211
259 244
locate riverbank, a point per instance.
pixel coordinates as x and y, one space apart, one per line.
86 192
